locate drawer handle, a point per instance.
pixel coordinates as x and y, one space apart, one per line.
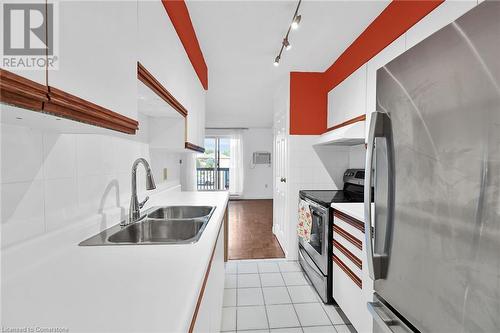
356 242
350 220
355 260
348 271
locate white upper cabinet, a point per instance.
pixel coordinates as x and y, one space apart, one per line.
98 53
443 15
196 119
163 55
393 50
348 99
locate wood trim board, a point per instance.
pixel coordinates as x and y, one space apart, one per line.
350 220
63 104
226 235
205 279
352 239
24 93
348 271
351 256
21 92
152 83
192 146
347 122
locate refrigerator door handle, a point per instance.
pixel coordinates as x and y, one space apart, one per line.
377 262
386 320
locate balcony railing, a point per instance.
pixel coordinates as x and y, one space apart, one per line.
206 180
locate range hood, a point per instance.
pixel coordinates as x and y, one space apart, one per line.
348 135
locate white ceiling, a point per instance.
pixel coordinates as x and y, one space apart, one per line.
240 40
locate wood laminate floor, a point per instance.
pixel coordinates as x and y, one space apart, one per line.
250 230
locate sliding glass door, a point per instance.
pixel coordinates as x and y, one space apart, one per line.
212 167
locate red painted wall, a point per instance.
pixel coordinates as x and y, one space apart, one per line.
394 21
308 103
308 108
179 15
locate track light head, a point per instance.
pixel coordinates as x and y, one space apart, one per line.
296 21
277 61
287 44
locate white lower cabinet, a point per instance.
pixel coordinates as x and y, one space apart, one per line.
210 311
351 300
352 286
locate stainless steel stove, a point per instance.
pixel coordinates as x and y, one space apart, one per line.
315 255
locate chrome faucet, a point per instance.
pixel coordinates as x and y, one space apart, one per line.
134 212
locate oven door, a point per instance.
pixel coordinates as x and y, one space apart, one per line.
317 247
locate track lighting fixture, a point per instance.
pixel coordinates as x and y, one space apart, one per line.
277 61
296 22
286 43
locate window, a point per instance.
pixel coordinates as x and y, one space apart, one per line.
212 167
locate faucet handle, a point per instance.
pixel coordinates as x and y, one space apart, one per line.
141 204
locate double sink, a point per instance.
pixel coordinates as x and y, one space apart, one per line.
158 225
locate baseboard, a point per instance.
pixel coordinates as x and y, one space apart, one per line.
256 197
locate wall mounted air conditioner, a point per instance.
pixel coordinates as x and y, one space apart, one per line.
261 158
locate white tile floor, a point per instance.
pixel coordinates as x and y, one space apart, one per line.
275 296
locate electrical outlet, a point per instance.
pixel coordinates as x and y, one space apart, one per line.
165 173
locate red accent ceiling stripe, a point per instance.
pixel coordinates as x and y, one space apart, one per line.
179 15
395 20
308 106
308 103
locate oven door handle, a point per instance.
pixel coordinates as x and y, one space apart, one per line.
314 205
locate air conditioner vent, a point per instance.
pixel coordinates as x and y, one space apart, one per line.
261 157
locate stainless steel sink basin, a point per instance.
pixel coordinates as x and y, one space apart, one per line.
158 225
180 212
158 231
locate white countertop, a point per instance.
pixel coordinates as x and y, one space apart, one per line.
135 288
353 209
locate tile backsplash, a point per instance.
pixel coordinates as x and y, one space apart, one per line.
50 180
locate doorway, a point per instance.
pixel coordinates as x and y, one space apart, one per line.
212 167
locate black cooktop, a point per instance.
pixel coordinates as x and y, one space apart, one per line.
326 197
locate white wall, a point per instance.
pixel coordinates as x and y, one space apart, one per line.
51 180
357 156
259 179
307 172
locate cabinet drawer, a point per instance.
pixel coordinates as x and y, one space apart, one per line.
340 234
344 271
350 296
348 252
350 224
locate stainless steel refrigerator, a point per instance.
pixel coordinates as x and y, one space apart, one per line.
434 157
